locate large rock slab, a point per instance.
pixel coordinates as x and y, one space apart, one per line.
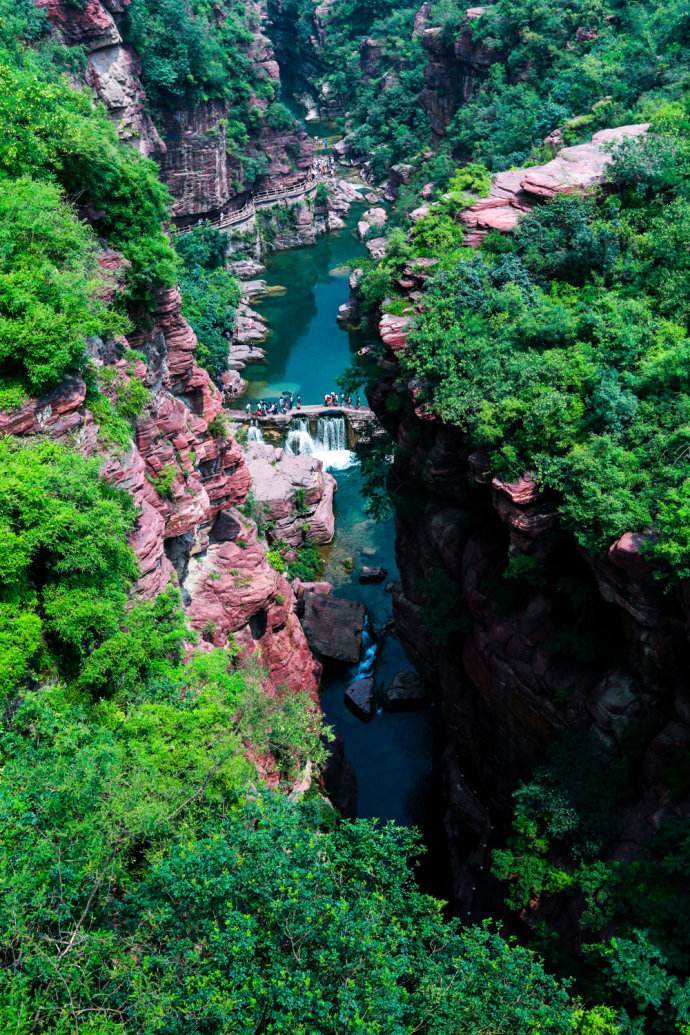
333 626
373 217
574 170
113 73
293 493
359 697
406 691
369 575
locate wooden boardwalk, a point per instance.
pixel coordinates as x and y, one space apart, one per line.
263 199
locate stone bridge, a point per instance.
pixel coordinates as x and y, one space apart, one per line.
361 422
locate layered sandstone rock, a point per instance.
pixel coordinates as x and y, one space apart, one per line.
112 70
523 636
373 219
187 483
91 25
195 164
333 625
293 494
113 73
574 170
234 592
202 173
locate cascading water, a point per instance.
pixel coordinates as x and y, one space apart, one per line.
254 433
365 666
331 434
298 438
329 446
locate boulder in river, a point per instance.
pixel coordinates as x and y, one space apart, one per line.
376 248
293 493
405 692
333 626
369 574
359 698
246 269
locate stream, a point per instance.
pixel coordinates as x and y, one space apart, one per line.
305 353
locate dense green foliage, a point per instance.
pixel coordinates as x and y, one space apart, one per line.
383 102
564 819
66 566
188 53
49 130
58 150
94 797
273 915
210 295
562 349
578 65
146 884
49 285
301 562
56 135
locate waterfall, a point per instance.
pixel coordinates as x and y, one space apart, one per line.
329 445
298 438
365 667
254 433
331 434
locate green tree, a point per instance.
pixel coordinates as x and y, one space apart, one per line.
50 286
66 565
50 130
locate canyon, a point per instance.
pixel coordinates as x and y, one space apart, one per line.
504 693
367 562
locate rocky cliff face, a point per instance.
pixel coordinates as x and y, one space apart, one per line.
203 176
191 147
187 477
582 643
453 67
525 636
112 69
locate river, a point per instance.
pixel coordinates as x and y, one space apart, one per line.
305 353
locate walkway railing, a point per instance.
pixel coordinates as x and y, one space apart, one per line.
262 199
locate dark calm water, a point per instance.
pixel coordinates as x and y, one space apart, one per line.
306 352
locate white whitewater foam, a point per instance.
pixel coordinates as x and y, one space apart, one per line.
329 446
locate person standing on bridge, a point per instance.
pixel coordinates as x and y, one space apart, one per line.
299 402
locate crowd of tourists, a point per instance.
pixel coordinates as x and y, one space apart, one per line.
289 403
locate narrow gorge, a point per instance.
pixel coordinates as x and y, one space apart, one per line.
344 489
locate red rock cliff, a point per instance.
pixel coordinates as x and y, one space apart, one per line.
187 483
